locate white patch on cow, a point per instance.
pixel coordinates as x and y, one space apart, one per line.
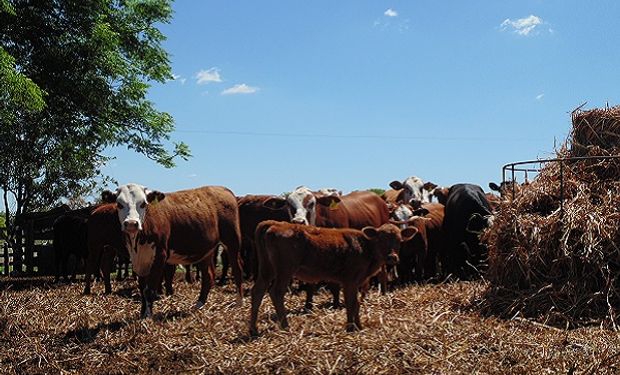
131 204
300 213
414 189
142 256
402 213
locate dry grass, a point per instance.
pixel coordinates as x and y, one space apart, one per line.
47 329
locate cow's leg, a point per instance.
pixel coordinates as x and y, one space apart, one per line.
276 292
119 268
106 267
207 267
334 288
430 266
225 266
352 306
188 274
75 268
258 292
420 261
310 291
168 277
232 242
148 296
383 280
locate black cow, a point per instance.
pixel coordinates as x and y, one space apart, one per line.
70 238
467 213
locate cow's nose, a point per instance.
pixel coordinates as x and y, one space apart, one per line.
130 225
415 203
298 220
392 259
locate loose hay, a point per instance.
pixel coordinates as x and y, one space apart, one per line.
560 263
419 329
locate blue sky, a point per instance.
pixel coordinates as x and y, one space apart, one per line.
270 95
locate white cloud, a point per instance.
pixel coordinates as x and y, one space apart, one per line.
193 175
240 89
390 13
522 26
209 75
540 96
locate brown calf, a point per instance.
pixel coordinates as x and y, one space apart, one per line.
348 257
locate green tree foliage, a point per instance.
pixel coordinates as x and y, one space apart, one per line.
377 191
94 60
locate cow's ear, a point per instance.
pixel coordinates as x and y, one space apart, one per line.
493 186
408 233
330 201
396 185
429 186
441 194
155 196
420 212
108 197
275 203
370 232
476 224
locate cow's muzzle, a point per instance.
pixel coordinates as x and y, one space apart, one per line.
299 220
131 226
392 259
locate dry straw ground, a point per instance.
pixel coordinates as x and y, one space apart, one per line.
49 329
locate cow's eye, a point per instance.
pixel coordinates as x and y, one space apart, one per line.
119 206
311 204
143 205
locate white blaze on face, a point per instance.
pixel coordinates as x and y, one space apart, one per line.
131 206
302 206
414 189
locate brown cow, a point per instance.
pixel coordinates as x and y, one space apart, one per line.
420 253
251 212
182 227
348 257
104 241
357 210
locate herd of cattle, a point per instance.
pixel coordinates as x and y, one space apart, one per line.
313 236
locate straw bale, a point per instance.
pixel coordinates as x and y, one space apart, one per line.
559 262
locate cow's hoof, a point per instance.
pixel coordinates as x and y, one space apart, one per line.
253 332
352 327
199 305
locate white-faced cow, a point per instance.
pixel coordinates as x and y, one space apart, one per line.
183 227
357 210
413 190
348 257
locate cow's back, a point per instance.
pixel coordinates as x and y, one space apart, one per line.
355 210
464 200
191 222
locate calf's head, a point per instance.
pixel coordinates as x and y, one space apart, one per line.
386 241
131 202
301 204
403 215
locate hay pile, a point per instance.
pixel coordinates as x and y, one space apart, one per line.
560 263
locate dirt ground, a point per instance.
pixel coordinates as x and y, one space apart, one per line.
47 329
